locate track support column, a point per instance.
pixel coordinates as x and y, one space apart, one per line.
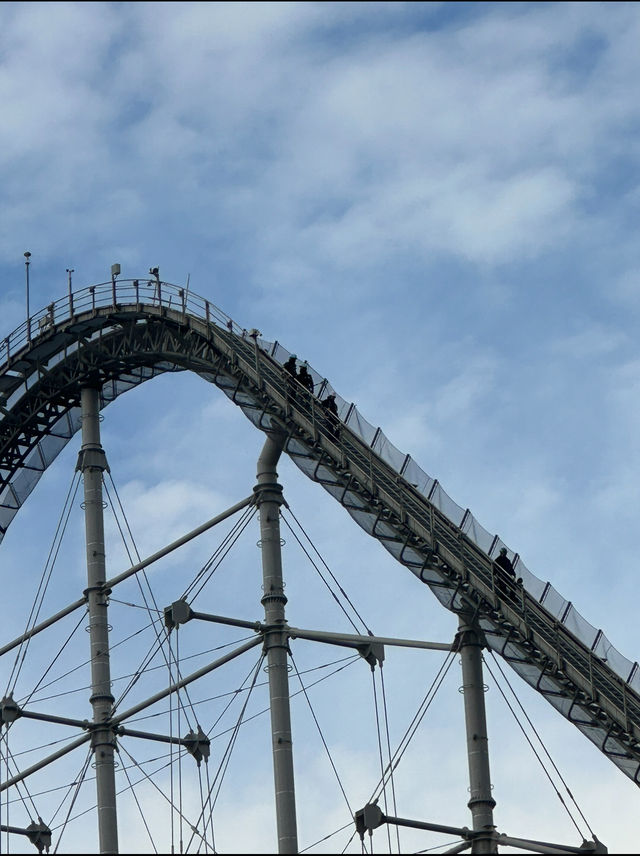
92 463
269 499
481 802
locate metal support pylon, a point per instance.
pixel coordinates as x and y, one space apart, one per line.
481 802
276 642
92 463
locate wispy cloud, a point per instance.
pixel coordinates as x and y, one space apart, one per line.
436 204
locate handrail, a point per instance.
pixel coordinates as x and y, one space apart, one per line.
404 488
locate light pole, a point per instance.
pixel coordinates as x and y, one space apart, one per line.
27 256
69 272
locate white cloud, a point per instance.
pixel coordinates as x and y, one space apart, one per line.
435 203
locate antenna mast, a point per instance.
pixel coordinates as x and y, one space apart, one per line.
27 256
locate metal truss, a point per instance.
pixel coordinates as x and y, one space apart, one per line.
126 341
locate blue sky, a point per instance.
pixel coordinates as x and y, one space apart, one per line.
436 205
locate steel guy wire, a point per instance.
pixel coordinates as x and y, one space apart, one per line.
146 776
417 719
218 556
234 693
391 778
226 758
292 695
86 662
202 801
322 577
317 552
541 743
28 698
382 767
137 801
210 817
77 784
446 844
44 580
4 738
539 759
162 635
324 742
325 838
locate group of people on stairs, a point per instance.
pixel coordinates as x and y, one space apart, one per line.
303 377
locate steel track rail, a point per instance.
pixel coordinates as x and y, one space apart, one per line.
122 344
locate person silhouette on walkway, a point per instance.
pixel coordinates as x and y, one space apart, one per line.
331 408
506 575
305 378
291 374
291 365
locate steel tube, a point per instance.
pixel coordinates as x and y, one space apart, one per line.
481 802
178 542
226 658
92 463
352 640
269 499
24 774
43 625
134 569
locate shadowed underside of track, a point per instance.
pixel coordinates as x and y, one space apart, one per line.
121 345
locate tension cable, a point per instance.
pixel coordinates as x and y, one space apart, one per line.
540 760
322 577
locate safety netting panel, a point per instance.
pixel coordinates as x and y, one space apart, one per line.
530 582
15 492
554 602
127 380
443 502
279 353
608 654
360 426
581 628
477 533
323 474
384 530
388 452
402 464
579 717
409 556
416 477
149 296
51 446
22 484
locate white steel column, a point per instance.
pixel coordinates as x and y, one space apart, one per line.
481 801
92 462
269 499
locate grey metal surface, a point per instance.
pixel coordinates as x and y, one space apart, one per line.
125 334
92 463
481 802
276 643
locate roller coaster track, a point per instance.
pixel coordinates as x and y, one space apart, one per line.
118 335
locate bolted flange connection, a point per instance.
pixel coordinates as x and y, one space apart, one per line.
39 834
198 745
367 819
9 710
373 653
178 613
